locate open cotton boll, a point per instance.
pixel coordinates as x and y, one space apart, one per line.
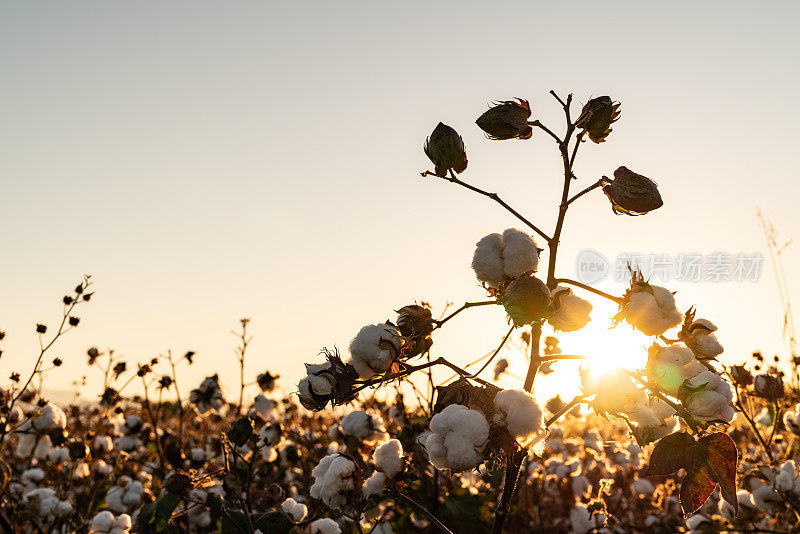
746 506
295 509
520 414
701 339
388 457
697 523
375 484
583 521
263 406
458 438
325 525
361 425
715 402
652 313
670 366
105 523
503 257
333 479
792 420
374 349
520 253
570 312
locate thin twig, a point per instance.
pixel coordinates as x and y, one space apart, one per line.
433 519
588 288
439 322
598 183
452 178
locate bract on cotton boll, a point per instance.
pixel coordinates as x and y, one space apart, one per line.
458 438
374 349
499 258
570 312
520 414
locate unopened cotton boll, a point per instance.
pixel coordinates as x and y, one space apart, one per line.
570 312
388 457
651 309
458 438
498 258
295 509
325 525
333 480
520 414
374 349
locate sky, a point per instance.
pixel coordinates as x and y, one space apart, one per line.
209 161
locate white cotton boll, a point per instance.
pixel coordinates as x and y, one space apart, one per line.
696 522
197 454
642 486
43 446
25 445
383 528
81 471
458 439
652 313
570 312
295 509
58 454
333 478
375 484
269 454
263 406
34 475
374 349
792 420
746 505
581 486
519 412
581 519
767 499
361 425
49 418
487 261
325 526
388 457
103 444
102 522
669 366
520 253
102 468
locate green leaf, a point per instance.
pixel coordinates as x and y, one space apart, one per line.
163 510
671 453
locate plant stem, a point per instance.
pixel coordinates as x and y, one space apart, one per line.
598 183
533 365
567 407
439 322
433 519
512 473
588 288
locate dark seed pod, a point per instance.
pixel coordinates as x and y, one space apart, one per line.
631 193
597 116
527 300
445 148
507 120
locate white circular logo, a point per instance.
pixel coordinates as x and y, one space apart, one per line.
591 267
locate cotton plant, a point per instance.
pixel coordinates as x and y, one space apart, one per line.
473 423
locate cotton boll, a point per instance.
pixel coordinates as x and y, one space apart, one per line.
458 439
58 454
263 406
697 522
583 521
767 499
487 261
295 509
571 312
333 479
519 413
103 444
388 457
746 506
520 253
792 420
374 349
325 526
651 309
643 487
375 484
668 366
361 425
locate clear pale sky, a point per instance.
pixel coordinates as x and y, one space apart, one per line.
209 161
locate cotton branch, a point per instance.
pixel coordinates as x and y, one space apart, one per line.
494 196
588 288
438 323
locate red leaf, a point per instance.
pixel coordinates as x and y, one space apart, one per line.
696 488
671 453
721 457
